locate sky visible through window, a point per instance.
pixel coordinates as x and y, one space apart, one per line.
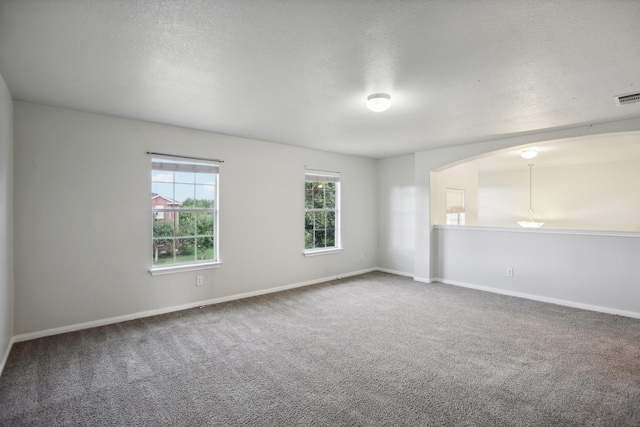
179 186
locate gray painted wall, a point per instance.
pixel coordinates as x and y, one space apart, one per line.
82 251
6 220
584 270
396 214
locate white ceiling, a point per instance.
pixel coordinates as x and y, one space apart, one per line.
298 72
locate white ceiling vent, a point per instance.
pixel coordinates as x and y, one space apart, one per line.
631 98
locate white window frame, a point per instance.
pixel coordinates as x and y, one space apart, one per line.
313 175
183 164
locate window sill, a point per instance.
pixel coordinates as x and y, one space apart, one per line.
183 268
316 252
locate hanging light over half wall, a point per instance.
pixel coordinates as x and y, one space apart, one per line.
530 222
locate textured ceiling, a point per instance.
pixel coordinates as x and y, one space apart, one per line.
298 72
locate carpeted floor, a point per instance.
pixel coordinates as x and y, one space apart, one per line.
371 350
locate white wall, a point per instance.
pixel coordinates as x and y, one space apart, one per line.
396 214
6 221
82 247
601 196
460 177
585 270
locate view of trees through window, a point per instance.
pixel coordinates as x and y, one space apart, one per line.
183 205
321 214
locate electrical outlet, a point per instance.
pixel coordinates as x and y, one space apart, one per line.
510 272
199 280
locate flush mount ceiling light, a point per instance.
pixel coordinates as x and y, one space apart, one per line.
529 153
529 222
379 102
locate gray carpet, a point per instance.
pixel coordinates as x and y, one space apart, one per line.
371 350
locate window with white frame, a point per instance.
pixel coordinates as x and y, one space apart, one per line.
184 212
322 211
455 207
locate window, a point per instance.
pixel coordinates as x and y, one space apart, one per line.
184 213
322 212
455 207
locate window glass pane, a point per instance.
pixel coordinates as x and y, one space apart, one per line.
204 222
205 195
162 228
163 250
184 195
205 239
331 220
330 195
318 195
185 250
320 221
319 236
308 195
162 189
206 178
330 236
308 220
163 238
204 248
162 176
308 239
186 224
185 177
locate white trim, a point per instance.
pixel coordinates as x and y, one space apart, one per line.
573 304
139 315
316 252
6 355
399 273
183 268
540 230
422 279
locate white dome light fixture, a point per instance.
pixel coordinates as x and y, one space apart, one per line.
529 153
379 102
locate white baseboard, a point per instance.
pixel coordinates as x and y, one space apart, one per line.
399 273
423 280
3 362
567 303
149 313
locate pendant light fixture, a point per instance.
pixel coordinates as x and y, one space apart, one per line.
529 222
